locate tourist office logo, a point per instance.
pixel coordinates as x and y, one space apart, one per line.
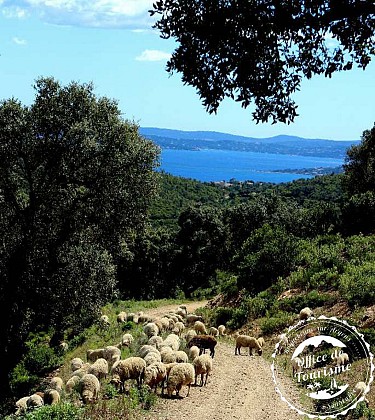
322 367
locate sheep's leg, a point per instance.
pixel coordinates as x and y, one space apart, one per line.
202 378
188 390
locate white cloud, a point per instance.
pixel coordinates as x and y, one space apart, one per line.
19 41
14 12
153 55
131 14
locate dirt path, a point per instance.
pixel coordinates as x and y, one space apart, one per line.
240 387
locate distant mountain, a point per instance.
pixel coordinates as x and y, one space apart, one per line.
286 145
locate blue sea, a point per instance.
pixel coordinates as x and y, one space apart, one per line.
222 165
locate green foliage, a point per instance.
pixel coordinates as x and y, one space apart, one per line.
369 335
21 382
312 299
62 411
143 397
276 323
362 412
357 284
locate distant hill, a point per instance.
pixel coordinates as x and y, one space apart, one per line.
283 144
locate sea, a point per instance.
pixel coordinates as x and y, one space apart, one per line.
223 165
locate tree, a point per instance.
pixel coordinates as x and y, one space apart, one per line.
260 50
359 168
75 184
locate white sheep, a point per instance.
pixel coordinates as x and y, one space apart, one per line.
94 354
181 311
131 316
181 356
360 389
127 340
179 375
122 317
189 335
34 401
130 368
151 329
51 397
152 358
155 374
21 405
167 355
221 329
155 341
213 331
76 364
99 368
178 328
202 366
193 352
82 370
144 350
56 383
261 341
89 387
64 346
173 341
297 364
342 359
200 328
247 341
104 321
72 384
191 318
305 313
111 354
165 322
283 343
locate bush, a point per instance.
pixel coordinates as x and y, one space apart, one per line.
239 318
275 323
63 411
312 299
21 382
357 284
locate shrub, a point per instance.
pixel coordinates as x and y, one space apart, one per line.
275 323
21 381
63 411
239 317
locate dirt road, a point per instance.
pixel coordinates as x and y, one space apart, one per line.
240 387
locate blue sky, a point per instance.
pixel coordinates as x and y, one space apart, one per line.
111 43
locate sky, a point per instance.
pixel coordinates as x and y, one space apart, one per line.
112 44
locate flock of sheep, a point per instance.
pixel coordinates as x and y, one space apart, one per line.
159 362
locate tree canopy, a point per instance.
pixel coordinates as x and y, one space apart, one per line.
258 51
76 181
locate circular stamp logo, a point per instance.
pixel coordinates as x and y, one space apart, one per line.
322 367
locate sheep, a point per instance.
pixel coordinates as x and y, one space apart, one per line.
179 375
81 371
131 316
178 328
173 341
305 313
165 323
64 346
21 406
181 356
151 329
189 335
202 366
297 364
204 342
130 368
342 359
247 341
122 317
144 350
191 318
235 334
213 331
127 340
221 329
359 389
56 383
104 321
261 341
154 374
72 384
193 352
144 319
155 341
283 343
89 387
181 311
51 397
152 358
167 355
76 364
34 401
94 354
200 328
99 369
111 354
